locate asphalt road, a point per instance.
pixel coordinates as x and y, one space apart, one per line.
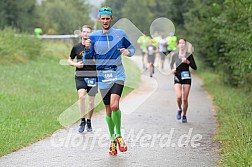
150 129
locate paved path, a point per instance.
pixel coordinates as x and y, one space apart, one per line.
151 131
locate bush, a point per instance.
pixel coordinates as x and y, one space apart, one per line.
18 47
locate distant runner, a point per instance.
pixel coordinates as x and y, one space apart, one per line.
182 77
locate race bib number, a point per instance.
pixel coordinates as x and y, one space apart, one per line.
91 82
185 75
108 76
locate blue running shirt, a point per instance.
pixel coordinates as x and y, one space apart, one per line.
105 50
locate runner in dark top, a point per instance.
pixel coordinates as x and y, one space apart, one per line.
151 53
182 77
85 79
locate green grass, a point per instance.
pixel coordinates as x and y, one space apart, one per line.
18 48
34 94
234 113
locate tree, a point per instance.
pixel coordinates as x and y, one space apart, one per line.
18 14
172 9
63 17
220 30
235 30
142 17
201 28
116 7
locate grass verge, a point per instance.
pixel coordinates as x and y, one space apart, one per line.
234 113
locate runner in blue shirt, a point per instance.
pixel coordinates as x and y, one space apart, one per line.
107 46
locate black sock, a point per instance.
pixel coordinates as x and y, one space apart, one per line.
83 120
88 121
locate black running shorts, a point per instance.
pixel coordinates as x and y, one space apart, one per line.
116 88
81 84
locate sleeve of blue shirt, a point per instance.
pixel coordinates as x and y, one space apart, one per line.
127 44
88 54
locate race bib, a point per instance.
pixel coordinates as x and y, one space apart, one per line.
91 82
108 76
185 75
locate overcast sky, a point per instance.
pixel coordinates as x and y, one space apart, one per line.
96 2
